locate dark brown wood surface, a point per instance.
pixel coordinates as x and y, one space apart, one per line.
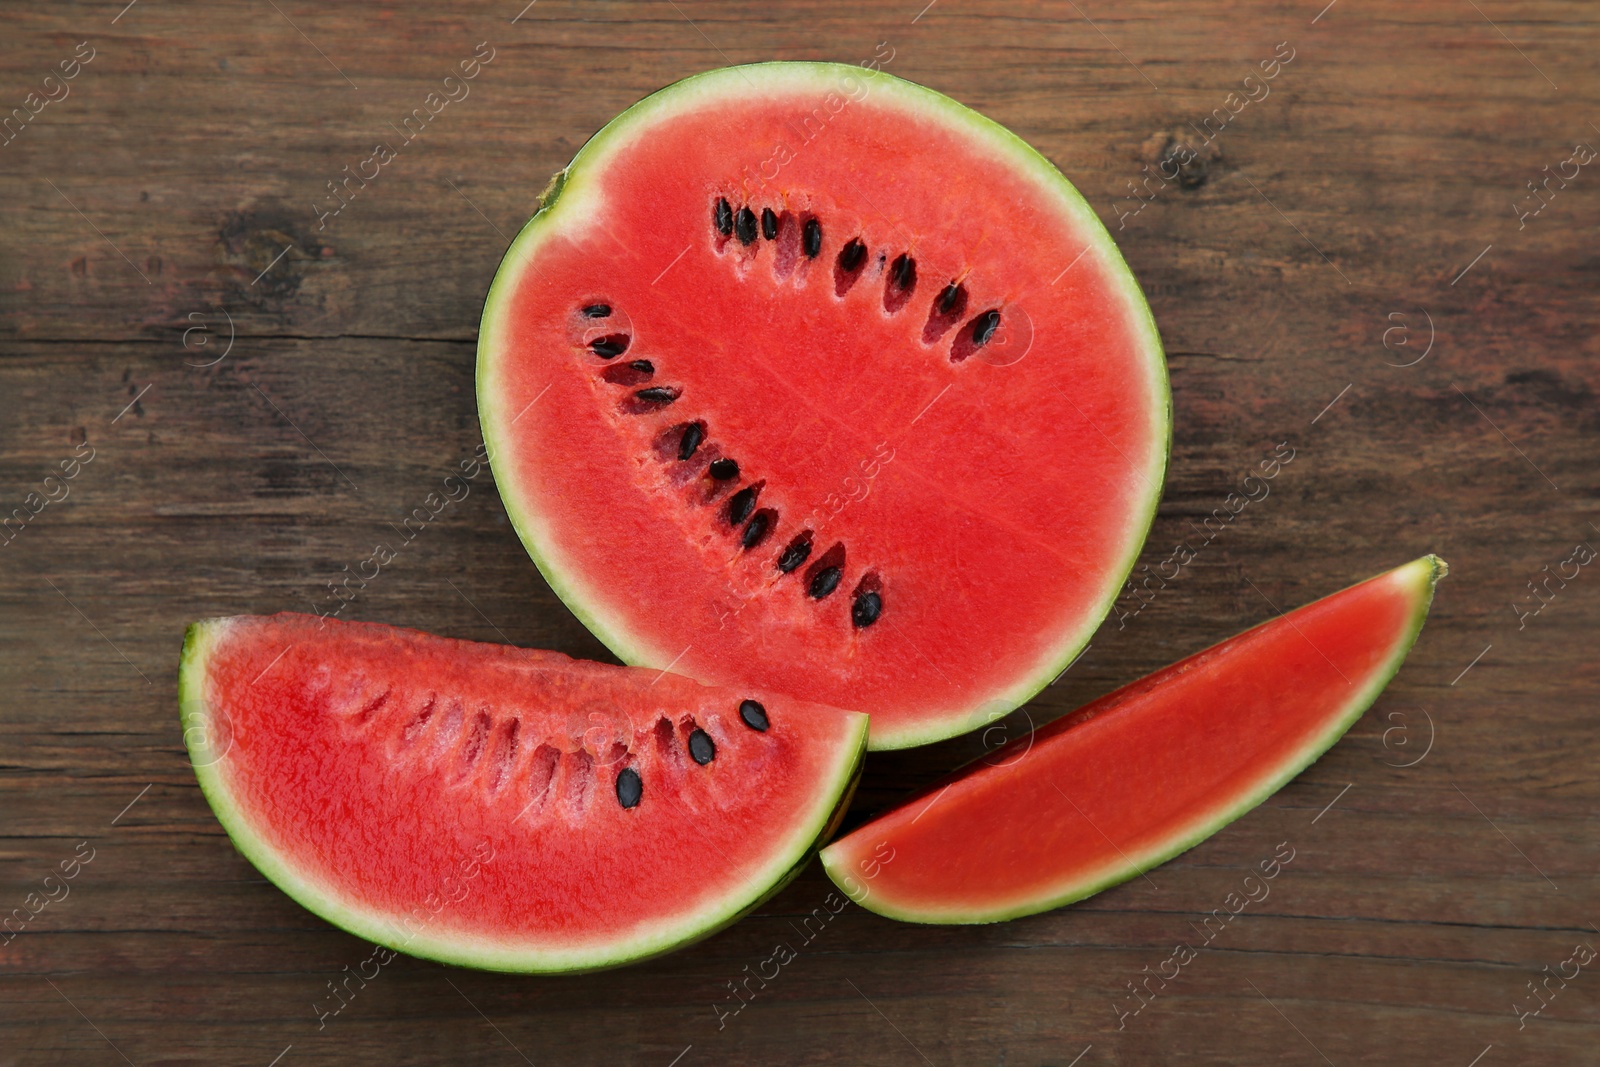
1371 204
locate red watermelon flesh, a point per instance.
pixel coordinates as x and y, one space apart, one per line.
473 803
925 404
1142 774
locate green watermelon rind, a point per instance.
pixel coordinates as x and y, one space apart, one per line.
195 713
1429 569
569 188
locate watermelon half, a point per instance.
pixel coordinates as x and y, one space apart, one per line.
499 807
810 378
1142 774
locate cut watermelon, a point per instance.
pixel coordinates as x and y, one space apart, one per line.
811 378
1138 776
499 807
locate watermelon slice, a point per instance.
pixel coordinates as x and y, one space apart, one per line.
810 378
499 807
1138 776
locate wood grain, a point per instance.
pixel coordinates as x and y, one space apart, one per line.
166 204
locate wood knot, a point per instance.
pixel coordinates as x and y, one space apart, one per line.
1177 160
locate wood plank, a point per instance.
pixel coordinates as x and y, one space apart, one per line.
165 206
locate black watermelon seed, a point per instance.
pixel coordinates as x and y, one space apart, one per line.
690 443
630 790
795 554
826 581
724 469
598 311
904 272
741 505
702 748
643 366
769 224
984 326
852 256
811 238
722 215
610 346
756 532
948 298
865 611
753 714
656 395
744 224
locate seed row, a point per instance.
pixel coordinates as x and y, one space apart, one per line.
946 311
702 749
753 524
746 225
486 743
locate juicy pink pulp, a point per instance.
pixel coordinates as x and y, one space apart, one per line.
393 770
1141 772
994 502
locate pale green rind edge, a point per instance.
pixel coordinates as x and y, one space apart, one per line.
1429 569
194 713
616 637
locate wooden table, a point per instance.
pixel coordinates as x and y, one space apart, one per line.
1366 215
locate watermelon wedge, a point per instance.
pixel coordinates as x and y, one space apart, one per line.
499 807
810 378
1138 776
